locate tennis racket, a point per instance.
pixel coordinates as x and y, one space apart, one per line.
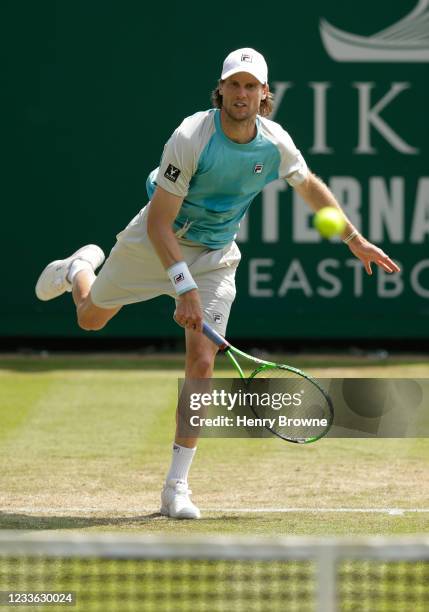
303 421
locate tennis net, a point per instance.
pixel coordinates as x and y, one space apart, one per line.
208 574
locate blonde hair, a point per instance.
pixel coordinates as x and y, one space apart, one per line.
265 108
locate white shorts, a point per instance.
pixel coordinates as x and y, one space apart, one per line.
133 273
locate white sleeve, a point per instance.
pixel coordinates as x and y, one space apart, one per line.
178 163
293 167
292 164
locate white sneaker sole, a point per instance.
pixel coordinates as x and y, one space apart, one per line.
183 514
43 281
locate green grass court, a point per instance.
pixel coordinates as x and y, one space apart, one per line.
85 445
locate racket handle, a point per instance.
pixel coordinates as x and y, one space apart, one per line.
215 337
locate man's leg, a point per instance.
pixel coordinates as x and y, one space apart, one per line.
175 501
76 274
89 316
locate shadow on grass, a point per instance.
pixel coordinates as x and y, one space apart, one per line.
29 521
32 522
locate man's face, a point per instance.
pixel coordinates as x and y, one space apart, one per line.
241 96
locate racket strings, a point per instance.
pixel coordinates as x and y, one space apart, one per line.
300 408
276 371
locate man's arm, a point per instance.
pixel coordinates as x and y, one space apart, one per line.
162 213
317 195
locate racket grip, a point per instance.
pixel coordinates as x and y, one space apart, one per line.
215 337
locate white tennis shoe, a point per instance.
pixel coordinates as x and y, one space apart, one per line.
175 501
53 280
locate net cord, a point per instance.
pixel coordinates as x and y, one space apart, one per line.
215 547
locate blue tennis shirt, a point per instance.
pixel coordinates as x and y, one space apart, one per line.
219 178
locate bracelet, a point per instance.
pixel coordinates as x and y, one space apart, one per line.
181 278
350 236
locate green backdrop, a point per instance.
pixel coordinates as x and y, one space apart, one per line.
93 89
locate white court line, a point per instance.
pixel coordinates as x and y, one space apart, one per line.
140 511
323 510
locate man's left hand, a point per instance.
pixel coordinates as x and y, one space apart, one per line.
369 253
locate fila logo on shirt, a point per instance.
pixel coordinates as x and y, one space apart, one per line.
258 168
217 317
172 173
246 58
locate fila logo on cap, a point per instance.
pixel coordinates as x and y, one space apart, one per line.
246 60
258 168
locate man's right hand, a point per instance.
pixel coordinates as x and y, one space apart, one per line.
189 313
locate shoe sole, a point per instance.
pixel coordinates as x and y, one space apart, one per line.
182 516
57 262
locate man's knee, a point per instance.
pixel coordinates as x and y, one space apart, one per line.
89 323
200 355
92 318
201 364
204 365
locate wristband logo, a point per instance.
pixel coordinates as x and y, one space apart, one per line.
172 173
178 278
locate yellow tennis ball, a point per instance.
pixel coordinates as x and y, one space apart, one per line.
329 221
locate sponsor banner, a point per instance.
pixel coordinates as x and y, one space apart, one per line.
407 40
359 125
350 85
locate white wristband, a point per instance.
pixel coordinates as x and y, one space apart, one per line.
181 278
350 236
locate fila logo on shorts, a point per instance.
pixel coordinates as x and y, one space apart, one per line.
172 173
258 168
246 58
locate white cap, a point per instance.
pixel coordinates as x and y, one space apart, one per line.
245 60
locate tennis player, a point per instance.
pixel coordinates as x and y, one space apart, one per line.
182 242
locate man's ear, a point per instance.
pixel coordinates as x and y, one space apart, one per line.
265 90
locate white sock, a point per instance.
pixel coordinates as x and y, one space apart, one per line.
76 266
180 463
